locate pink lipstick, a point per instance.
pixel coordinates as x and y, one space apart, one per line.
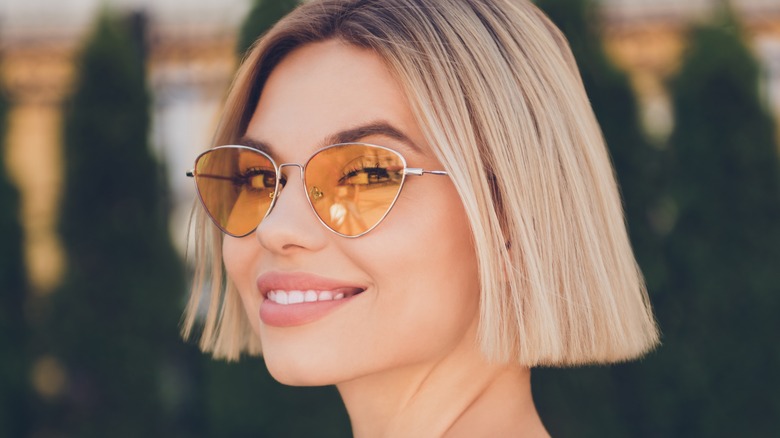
292 299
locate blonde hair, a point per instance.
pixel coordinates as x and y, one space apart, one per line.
497 93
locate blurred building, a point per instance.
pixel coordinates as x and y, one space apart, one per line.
191 61
647 38
192 58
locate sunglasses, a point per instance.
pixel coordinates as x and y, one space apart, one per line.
351 186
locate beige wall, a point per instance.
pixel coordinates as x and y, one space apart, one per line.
650 48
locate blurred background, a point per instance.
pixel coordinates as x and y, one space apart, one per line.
105 104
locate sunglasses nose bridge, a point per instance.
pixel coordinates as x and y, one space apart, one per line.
283 165
283 179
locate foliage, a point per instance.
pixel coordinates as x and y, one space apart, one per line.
113 322
14 333
719 309
263 15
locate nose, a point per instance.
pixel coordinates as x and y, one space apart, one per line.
291 225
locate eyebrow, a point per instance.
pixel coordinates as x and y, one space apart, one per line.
256 144
370 129
346 136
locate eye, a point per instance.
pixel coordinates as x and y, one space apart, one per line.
365 176
256 179
371 171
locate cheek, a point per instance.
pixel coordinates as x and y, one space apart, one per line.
427 278
445 274
235 258
239 256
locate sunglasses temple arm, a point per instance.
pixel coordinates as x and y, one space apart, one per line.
419 172
191 174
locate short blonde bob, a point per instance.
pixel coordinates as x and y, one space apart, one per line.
496 90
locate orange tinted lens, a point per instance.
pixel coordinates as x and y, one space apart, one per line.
236 185
352 187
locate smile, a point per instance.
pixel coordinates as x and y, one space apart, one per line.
298 298
309 296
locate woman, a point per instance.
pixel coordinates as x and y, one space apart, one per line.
417 206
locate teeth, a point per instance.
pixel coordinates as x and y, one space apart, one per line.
325 295
294 297
298 296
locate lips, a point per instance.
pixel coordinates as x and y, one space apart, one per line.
300 298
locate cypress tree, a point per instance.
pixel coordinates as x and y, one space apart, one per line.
114 319
602 401
14 368
263 15
719 310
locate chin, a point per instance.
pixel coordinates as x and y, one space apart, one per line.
299 372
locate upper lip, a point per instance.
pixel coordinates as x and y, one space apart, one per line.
303 281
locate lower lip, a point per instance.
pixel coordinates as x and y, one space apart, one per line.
289 315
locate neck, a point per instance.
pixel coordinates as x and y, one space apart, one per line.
460 395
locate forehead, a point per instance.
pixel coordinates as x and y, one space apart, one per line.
322 89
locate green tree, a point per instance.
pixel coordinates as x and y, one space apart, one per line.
263 15
719 309
601 401
14 368
114 319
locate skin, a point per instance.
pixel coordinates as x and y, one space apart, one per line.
404 353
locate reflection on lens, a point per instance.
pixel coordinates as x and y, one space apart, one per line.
236 185
357 185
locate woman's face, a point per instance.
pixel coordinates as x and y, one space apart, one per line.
416 273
